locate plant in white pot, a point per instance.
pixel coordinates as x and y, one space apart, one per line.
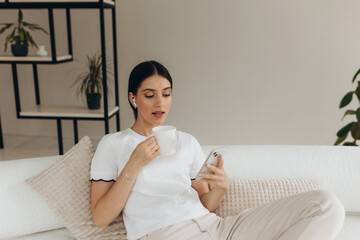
19 37
90 82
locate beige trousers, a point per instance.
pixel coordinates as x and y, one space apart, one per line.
314 215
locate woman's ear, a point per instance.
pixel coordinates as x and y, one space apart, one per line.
132 99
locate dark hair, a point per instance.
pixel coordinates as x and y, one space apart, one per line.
141 72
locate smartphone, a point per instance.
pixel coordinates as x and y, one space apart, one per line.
211 159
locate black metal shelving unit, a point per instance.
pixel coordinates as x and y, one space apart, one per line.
59 113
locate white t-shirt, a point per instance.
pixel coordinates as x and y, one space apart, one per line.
162 194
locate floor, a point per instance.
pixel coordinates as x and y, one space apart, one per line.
18 146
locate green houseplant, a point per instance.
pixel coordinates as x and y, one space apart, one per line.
353 127
19 37
90 82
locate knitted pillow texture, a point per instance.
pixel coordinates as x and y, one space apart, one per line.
65 187
244 194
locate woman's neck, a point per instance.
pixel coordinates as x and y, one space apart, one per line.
142 129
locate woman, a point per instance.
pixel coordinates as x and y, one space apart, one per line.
159 197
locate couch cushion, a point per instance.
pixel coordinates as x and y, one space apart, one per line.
65 187
55 234
351 228
350 231
22 211
244 194
336 167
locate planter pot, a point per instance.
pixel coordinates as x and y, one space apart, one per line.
19 50
93 100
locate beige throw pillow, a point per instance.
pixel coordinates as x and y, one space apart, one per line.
244 194
65 187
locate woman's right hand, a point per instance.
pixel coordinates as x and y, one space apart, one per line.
145 152
107 198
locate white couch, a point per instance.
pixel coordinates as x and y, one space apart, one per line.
25 216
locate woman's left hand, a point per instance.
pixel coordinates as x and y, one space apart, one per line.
218 178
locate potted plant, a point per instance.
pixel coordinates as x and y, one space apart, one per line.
353 127
19 37
90 82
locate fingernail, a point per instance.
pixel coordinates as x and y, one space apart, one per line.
200 175
208 165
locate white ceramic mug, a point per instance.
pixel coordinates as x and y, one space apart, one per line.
166 138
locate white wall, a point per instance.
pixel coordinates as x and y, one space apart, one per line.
245 72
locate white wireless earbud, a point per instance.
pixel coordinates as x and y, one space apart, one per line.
134 102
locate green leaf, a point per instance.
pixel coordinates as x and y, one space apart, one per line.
21 35
26 24
357 91
12 34
16 40
345 130
6 43
7 26
34 27
8 39
40 28
356 74
348 112
353 130
31 40
20 16
349 144
339 140
2 30
346 99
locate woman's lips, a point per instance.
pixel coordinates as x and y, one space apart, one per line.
158 114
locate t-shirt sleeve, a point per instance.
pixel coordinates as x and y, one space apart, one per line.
198 158
103 165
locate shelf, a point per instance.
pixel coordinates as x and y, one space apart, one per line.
57 3
78 112
57 112
34 59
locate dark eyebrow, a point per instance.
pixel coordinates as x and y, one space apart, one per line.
150 89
